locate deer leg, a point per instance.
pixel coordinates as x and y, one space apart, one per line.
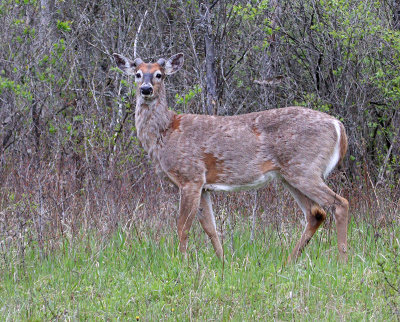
320 193
341 219
207 221
189 206
314 216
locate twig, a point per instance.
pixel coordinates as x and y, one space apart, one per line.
48 306
269 81
253 218
385 162
137 35
386 279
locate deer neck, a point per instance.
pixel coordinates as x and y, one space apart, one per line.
152 120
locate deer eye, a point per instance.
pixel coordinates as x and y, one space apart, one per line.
158 75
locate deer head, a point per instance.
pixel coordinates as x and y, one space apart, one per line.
149 77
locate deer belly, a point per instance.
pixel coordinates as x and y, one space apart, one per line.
258 183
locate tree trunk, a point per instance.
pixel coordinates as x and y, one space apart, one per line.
271 57
211 78
44 36
46 11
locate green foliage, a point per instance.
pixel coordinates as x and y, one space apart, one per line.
52 129
387 75
18 89
185 99
64 25
348 50
252 9
59 47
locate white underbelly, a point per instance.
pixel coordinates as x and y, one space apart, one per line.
261 181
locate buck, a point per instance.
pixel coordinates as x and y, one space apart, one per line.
202 153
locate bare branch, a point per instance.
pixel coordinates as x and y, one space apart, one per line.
137 35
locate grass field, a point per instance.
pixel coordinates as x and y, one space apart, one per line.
129 276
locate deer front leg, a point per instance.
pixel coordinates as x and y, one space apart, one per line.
189 206
207 221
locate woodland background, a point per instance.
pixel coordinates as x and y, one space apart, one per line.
69 156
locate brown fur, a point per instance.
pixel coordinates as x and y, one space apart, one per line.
268 166
214 168
176 122
256 131
318 213
201 152
151 68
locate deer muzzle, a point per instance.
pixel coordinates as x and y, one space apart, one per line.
146 90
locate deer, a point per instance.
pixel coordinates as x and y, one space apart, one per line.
204 153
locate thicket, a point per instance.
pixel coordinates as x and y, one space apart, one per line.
69 156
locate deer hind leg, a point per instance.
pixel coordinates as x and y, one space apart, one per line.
320 193
207 221
341 219
314 216
189 205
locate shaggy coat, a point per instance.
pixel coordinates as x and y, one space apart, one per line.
201 153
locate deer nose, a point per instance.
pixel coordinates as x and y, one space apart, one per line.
146 90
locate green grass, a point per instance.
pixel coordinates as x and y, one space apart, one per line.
122 277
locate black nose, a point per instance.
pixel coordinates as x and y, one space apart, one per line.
146 90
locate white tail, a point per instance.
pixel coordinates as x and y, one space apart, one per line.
200 153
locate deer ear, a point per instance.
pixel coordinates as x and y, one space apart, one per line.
126 65
161 62
137 62
174 64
